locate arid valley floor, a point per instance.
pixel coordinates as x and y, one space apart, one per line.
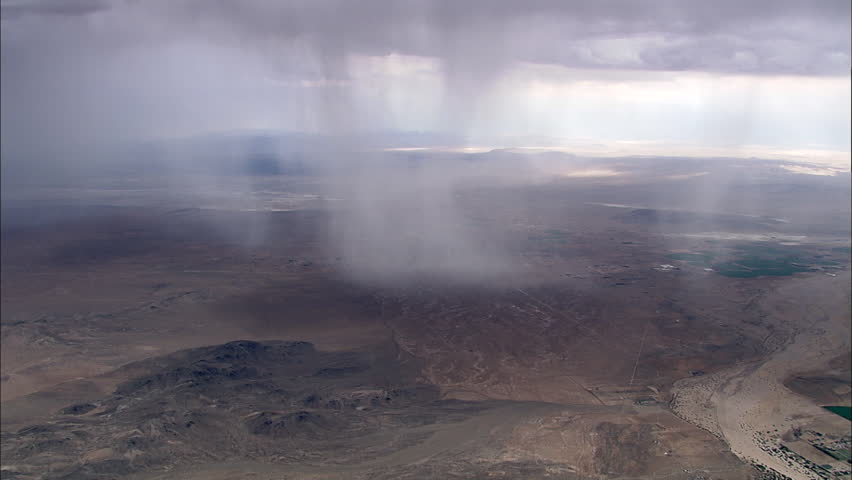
634 335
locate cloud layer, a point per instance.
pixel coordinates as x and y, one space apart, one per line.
77 73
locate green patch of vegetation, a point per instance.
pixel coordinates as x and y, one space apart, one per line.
556 236
757 263
763 249
845 412
701 259
760 259
763 259
822 262
841 454
729 269
750 268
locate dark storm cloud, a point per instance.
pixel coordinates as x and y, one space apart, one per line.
792 37
795 37
16 8
78 72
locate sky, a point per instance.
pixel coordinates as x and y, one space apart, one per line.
725 77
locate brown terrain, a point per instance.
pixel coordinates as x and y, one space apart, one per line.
147 341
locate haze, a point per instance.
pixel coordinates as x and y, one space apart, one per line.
426 239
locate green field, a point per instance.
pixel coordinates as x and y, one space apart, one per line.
845 412
751 266
767 250
552 235
760 260
699 259
841 454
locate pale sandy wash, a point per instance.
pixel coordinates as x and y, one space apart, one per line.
748 406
